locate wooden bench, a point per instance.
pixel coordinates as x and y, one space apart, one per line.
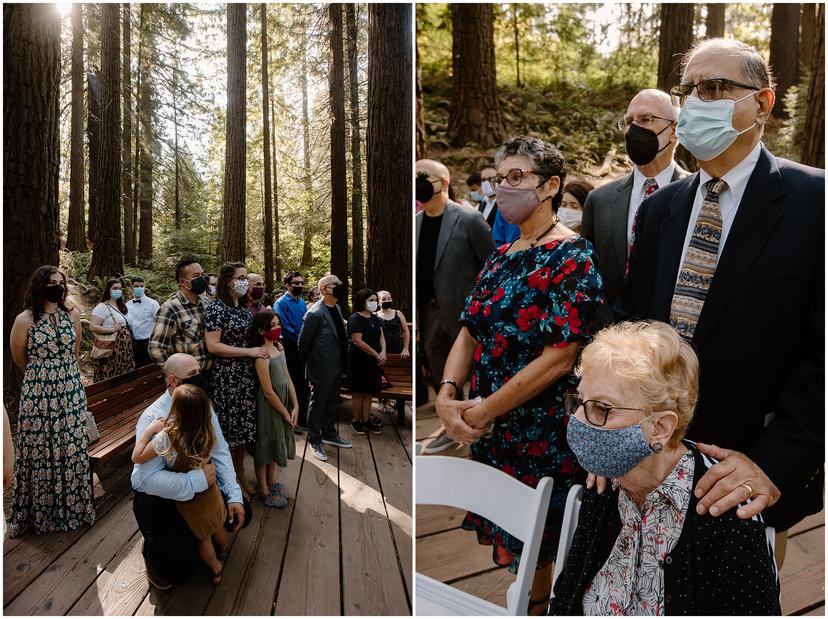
117 403
398 372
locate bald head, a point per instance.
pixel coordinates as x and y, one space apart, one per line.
653 101
181 365
434 169
326 281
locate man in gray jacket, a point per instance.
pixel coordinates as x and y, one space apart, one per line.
323 348
453 243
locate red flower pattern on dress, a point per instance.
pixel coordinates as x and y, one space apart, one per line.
528 316
540 279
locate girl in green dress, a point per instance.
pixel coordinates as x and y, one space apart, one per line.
275 444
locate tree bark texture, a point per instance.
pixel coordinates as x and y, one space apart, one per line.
307 231
31 154
517 42
421 132
675 37
268 200
357 233
93 136
276 242
475 111
784 52
715 22
235 160
807 34
388 150
107 259
126 144
75 229
813 143
145 192
176 156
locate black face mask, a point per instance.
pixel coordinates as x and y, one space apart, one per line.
257 293
199 285
339 291
53 293
297 290
425 189
642 144
198 380
386 304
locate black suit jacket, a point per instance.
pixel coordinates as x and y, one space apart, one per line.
491 218
760 336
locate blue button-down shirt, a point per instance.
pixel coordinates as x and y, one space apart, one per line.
502 231
153 478
291 310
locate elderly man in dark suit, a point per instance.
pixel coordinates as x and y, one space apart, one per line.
733 258
453 243
610 210
323 348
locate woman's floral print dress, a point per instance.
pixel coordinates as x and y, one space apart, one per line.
53 489
522 302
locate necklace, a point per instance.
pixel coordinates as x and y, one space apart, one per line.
539 237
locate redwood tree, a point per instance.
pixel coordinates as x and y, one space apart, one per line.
784 51
147 137
235 160
126 143
475 112
357 248
93 136
813 141
268 198
715 22
339 191
807 34
31 153
389 149
675 37
75 230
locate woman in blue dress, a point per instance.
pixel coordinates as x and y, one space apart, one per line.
527 317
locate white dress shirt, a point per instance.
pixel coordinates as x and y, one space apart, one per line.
488 205
141 317
737 179
663 179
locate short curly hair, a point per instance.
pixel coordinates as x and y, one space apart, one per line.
655 361
547 160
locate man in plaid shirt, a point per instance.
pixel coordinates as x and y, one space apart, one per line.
179 324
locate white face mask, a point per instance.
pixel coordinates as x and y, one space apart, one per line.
242 286
212 290
371 306
487 189
705 128
570 216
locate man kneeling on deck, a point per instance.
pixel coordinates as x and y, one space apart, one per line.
170 549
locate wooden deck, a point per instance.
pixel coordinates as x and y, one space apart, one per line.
343 546
449 554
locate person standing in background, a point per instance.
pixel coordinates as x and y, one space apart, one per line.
291 309
257 290
141 317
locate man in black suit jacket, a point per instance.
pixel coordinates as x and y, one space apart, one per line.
610 210
760 332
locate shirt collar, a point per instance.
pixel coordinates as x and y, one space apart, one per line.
663 178
738 176
674 491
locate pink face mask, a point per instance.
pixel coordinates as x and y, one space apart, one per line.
516 203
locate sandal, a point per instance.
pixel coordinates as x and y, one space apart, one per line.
275 500
277 488
217 578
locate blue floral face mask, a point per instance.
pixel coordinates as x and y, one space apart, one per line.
607 453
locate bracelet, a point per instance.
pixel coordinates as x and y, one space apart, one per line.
449 381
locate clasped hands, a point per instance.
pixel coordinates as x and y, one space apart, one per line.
730 482
465 421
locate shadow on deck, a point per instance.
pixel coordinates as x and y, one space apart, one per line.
341 546
449 554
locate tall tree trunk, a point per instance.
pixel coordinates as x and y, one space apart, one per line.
268 199
75 231
126 145
517 42
307 232
145 191
31 155
276 241
475 112
357 247
421 132
675 37
339 190
389 148
175 148
813 141
107 259
93 134
715 23
235 163
136 160
784 51
807 34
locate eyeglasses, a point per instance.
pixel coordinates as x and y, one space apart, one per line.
514 177
707 90
596 411
645 121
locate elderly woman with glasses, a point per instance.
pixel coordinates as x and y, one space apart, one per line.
523 324
641 548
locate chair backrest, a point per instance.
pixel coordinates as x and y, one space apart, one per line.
570 523
491 493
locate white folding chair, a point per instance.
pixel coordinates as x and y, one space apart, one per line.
484 490
570 523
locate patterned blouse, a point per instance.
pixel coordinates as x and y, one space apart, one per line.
631 582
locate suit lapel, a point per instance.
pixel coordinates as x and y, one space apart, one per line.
618 220
324 309
755 221
671 241
450 217
418 223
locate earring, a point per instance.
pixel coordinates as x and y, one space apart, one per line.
657 447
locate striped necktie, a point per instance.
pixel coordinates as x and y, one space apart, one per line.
699 265
650 185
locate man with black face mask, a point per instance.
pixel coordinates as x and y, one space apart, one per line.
452 245
649 128
291 309
323 347
179 324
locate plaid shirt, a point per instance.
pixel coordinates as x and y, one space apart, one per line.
179 327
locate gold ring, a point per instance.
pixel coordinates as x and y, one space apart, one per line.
749 489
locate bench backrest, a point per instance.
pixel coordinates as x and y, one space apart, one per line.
109 397
398 370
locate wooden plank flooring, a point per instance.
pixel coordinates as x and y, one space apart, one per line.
449 554
343 545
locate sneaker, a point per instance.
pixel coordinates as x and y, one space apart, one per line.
441 443
357 427
338 441
375 420
299 430
374 426
319 452
155 580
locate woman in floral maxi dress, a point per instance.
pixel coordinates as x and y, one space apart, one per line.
53 490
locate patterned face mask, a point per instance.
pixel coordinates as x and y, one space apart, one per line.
607 453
